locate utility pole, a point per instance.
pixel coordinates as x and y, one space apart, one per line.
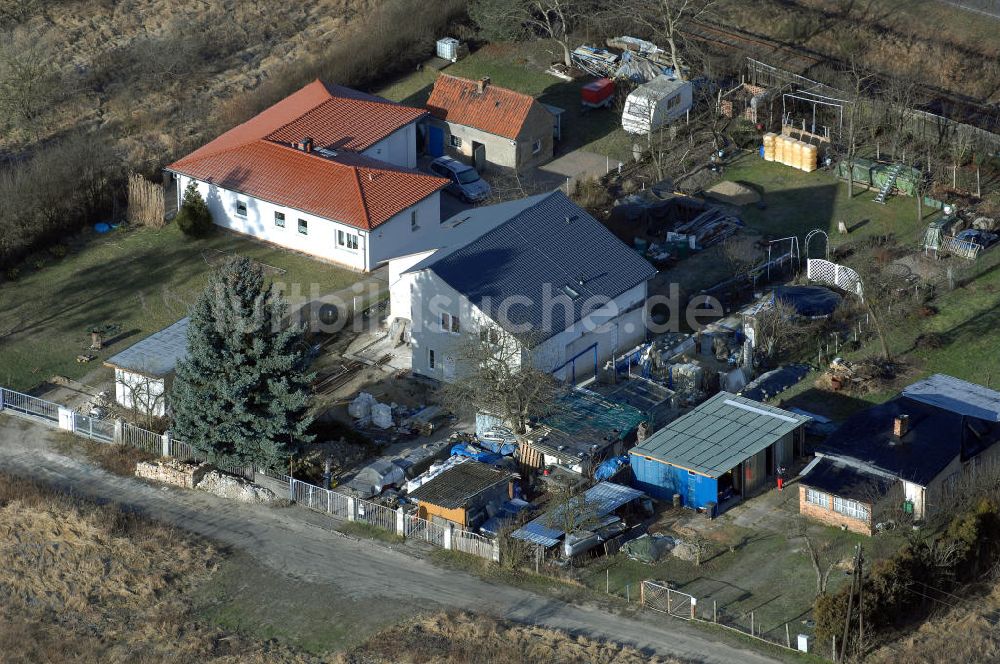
860 567
850 606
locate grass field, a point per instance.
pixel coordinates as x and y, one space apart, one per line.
135 281
522 67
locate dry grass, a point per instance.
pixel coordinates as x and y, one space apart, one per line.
85 583
462 637
966 634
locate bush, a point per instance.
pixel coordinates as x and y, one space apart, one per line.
58 251
194 218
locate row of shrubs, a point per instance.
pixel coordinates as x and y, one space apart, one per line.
900 591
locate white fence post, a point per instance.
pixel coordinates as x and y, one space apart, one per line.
400 522
67 419
165 441
119 430
448 533
291 489
495 544
352 509
2 392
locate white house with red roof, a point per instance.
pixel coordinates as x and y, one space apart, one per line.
327 171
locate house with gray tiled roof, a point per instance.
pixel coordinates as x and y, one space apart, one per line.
542 273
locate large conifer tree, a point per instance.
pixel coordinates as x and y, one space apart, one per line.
242 393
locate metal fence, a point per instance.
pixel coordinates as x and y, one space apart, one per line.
662 598
302 493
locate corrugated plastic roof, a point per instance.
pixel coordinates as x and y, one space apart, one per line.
551 245
157 354
719 434
496 110
956 395
457 485
600 499
256 157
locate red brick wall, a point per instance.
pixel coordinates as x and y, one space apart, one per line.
829 517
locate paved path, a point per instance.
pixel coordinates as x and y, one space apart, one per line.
300 543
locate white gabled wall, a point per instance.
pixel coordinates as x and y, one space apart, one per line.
397 237
401 285
393 238
430 295
398 148
617 333
133 390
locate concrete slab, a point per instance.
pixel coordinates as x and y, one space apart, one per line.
571 167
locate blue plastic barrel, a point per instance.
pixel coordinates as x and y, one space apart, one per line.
761 152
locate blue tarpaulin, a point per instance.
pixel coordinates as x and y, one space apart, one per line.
473 452
609 468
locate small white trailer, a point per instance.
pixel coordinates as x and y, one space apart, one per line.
657 103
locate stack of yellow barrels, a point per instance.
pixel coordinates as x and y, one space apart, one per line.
791 152
770 139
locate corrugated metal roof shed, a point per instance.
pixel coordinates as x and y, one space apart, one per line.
957 396
600 499
459 484
719 434
157 354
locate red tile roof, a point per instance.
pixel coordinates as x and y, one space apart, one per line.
495 110
255 157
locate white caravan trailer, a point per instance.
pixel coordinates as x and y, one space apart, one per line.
654 104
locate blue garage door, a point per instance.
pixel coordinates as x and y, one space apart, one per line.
435 141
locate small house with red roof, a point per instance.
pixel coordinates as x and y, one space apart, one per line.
327 171
489 125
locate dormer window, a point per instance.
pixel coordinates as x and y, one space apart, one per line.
571 292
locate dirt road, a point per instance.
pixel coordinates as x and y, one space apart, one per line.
300 544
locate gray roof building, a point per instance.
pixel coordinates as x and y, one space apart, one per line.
719 434
459 484
157 355
529 256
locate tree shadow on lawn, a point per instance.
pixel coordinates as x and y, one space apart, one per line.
793 211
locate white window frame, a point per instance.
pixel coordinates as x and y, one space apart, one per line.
454 141
279 219
241 204
814 497
347 240
851 509
536 147
303 226
450 323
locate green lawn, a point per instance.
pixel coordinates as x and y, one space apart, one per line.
137 281
797 202
522 67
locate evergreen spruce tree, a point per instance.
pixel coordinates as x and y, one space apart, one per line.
194 218
242 392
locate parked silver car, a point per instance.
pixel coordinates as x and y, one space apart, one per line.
465 181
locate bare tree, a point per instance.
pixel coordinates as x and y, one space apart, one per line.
743 254
666 19
820 556
143 400
887 294
776 330
28 84
495 379
509 19
857 127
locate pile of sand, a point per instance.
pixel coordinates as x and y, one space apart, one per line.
733 193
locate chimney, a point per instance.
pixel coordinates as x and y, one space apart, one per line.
900 425
482 83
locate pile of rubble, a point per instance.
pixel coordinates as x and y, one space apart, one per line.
235 488
172 472
205 478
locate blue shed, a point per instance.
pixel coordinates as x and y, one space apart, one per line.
723 450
